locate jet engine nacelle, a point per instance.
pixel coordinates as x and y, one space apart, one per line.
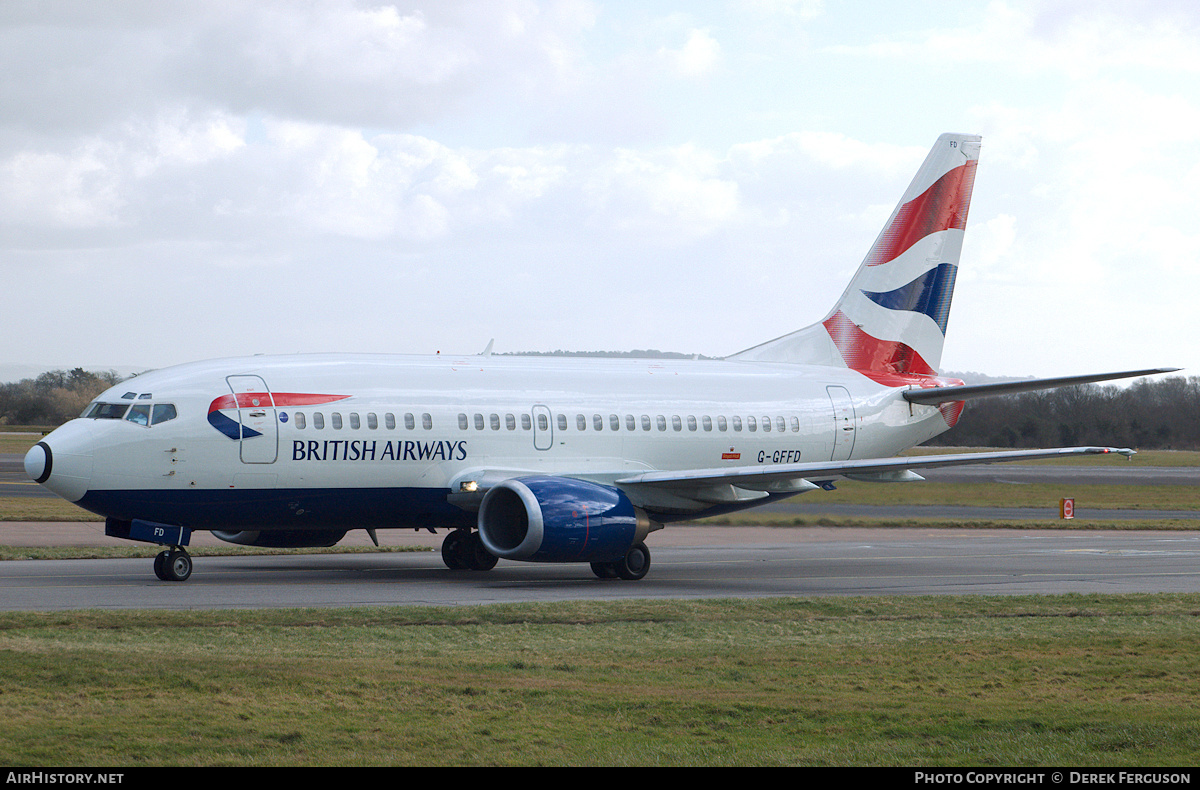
283 538
557 519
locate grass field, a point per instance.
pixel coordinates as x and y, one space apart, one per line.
897 681
1068 681
19 442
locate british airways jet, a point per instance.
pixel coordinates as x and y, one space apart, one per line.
536 459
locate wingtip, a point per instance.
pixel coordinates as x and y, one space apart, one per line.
1125 451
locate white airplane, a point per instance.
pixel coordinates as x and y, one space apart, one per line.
537 459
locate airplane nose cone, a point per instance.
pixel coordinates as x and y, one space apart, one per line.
39 462
62 462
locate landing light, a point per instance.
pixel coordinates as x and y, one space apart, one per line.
468 487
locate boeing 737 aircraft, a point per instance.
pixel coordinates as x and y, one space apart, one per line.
537 459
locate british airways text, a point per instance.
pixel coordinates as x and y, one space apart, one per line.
356 450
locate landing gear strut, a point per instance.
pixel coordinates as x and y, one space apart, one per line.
463 550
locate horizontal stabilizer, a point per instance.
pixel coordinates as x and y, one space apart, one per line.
952 394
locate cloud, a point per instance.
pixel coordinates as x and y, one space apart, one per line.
411 175
338 61
696 58
60 191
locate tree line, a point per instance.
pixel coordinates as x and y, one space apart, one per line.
1161 413
53 397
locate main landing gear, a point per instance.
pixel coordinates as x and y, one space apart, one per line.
633 566
463 550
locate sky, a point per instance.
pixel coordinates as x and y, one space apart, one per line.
183 181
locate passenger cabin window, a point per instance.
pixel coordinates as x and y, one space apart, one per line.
510 422
355 423
562 422
409 422
580 422
372 422
479 422
318 420
527 423
335 420
427 421
463 422
300 421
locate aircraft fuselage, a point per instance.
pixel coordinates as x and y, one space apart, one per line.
356 441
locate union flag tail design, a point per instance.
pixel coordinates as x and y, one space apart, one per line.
890 324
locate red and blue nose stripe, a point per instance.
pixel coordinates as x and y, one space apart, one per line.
234 429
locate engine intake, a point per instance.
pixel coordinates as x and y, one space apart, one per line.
557 519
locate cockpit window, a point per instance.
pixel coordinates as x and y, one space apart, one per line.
106 411
142 413
163 412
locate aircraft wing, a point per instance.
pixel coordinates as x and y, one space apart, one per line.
692 489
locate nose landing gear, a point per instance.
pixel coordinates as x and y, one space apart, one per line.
173 565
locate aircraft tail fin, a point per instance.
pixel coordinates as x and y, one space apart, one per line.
890 323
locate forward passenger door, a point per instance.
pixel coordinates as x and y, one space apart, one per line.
260 424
